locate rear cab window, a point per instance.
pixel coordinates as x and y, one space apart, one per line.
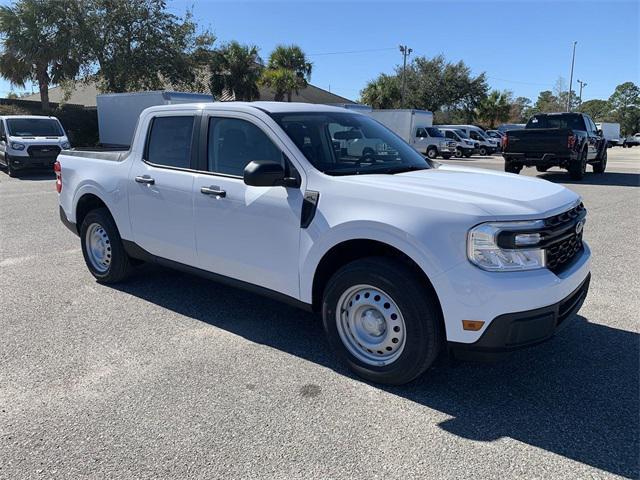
169 141
572 121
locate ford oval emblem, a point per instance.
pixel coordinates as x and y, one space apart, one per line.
579 227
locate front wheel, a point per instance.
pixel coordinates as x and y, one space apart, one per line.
382 320
482 151
432 153
601 165
102 247
458 153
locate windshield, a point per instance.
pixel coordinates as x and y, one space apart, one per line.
571 121
34 127
461 134
349 144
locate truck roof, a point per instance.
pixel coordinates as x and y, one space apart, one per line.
270 107
28 116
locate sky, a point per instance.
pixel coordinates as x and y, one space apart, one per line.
522 45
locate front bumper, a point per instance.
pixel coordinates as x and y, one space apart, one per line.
28 162
469 293
513 331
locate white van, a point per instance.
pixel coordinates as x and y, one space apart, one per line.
465 147
487 145
30 141
416 128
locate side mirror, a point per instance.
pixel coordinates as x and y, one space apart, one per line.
599 132
264 173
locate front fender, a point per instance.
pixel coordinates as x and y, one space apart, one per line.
314 246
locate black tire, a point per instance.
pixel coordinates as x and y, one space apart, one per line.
482 151
432 152
419 309
511 168
578 168
446 156
601 165
10 171
541 168
119 263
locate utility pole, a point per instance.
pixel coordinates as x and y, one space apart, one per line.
406 51
573 61
582 85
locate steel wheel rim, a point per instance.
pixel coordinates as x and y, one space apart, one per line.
98 247
370 325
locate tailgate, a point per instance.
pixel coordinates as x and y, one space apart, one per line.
538 140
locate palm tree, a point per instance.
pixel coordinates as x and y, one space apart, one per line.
236 69
383 92
495 108
39 44
287 71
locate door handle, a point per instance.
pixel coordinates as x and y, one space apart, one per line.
213 190
146 179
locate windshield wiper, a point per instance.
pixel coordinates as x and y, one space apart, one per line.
403 168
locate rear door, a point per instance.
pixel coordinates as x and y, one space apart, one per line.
246 233
161 187
594 140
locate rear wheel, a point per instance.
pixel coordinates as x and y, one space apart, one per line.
381 319
601 164
578 168
102 247
432 152
511 168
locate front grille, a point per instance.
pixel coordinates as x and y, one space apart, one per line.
562 238
43 151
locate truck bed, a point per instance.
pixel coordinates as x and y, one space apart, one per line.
98 153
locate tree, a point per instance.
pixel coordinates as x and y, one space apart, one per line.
287 71
138 45
520 110
40 43
495 108
625 102
383 92
236 69
598 110
547 102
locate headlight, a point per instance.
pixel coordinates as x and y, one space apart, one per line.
17 146
483 249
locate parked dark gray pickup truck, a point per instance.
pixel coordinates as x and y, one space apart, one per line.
567 140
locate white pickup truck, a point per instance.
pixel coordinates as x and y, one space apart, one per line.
404 257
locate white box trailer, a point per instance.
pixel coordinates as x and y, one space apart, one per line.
118 112
611 132
416 128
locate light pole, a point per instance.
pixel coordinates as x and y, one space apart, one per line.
582 85
406 51
573 61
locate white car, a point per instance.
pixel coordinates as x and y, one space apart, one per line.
404 257
30 141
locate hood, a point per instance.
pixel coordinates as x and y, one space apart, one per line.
501 195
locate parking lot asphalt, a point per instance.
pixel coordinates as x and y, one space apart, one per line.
169 375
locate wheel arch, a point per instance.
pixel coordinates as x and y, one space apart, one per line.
357 248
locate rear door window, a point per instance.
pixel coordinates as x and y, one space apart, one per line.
169 142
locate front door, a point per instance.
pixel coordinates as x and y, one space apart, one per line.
246 233
161 189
